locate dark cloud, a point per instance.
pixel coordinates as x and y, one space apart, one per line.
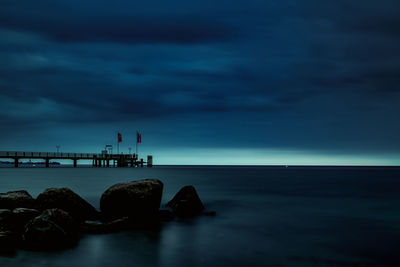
53 22
287 74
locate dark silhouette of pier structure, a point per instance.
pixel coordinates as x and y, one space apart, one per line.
98 160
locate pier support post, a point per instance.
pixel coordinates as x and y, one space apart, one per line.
108 163
99 163
16 162
141 162
75 163
47 162
149 161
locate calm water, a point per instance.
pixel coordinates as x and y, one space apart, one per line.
265 217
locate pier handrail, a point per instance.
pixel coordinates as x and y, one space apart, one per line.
13 154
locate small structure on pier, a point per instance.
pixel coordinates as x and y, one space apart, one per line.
98 160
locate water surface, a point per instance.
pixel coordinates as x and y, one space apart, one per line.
265 217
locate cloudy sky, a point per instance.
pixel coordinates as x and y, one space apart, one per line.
204 81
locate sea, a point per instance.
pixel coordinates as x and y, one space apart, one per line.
265 216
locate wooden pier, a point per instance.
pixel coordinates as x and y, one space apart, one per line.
98 160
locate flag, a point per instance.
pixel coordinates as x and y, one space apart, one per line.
119 137
138 137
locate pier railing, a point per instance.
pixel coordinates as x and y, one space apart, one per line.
59 155
98 160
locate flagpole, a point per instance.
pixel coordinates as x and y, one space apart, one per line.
118 143
137 144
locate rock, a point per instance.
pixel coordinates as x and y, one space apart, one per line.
139 200
15 220
8 243
53 229
21 216
6 220
99 227
16 199
67 200
186 203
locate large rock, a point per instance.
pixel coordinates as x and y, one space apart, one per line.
16 199
67 200
16 219
8 243
21 216
53 229
186 203
139 200
6 220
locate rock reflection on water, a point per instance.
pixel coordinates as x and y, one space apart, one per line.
121 249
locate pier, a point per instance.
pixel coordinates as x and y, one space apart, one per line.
98 160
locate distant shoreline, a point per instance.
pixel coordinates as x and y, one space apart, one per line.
59 165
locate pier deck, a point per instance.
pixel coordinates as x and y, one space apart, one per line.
98 160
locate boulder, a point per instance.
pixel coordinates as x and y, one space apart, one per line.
8 243
186 203
67 200
139 200
21 216
6 220
53 229
15 220
16 199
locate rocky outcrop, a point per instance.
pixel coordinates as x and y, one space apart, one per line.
67 200
138 200
61 215
186 203
53 229
16 199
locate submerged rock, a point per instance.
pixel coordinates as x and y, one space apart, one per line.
99 227
53 229
186 203
165 215
139 200
209 213
67 200
16 199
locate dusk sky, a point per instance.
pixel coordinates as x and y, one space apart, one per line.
204 81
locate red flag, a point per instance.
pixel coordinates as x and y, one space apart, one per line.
119 137
138 137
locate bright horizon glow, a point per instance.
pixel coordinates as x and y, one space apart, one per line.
233 156
261 157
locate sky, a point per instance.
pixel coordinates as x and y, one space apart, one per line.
204 81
